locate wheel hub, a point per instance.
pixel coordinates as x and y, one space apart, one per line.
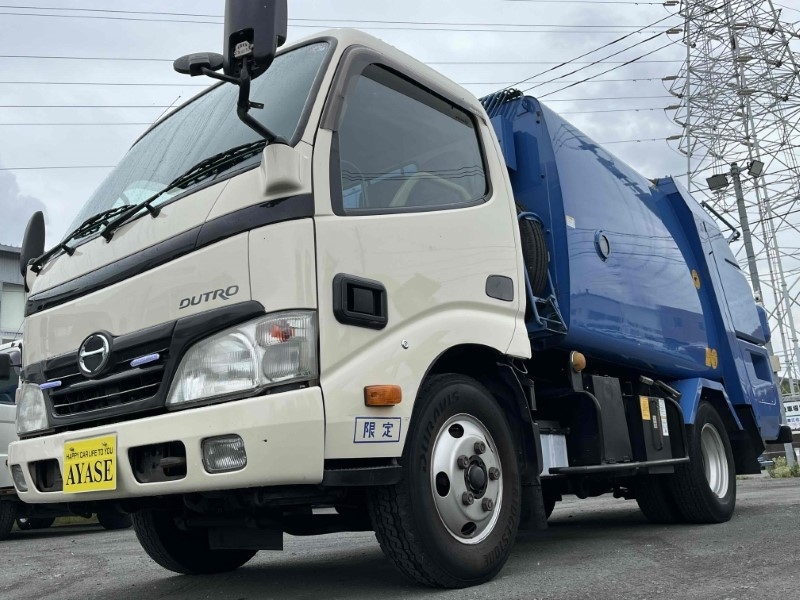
715 461
476 476
466 479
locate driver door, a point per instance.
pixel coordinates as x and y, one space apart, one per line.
410 240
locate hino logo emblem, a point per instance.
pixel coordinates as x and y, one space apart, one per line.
93 354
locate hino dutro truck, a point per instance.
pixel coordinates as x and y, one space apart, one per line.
336 292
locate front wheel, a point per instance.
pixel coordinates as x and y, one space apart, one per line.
704 490
8 512
452 519
183 551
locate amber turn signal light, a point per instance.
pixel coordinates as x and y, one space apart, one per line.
577 361
382 395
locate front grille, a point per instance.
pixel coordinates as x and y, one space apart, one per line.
117 390
120 388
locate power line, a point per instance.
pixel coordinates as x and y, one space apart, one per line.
303 20
103 83
607 57
168 106
477 28
575 59
59 167
126 123
633 60
111 58
84 106
71 124
144 84
604 98
456 62
511 83
612 110
589 2
598 61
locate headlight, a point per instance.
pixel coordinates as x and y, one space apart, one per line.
31 409
279 348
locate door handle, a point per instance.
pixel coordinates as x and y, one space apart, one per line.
360 302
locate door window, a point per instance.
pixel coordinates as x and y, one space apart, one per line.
404 149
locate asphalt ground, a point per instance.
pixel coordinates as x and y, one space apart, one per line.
596 549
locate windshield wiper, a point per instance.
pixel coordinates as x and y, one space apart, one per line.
88 227
209 167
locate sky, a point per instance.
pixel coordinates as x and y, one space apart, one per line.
84 114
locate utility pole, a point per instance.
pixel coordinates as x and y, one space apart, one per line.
744 223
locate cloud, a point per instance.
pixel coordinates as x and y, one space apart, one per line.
15 209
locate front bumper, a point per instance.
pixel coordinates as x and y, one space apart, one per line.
284 436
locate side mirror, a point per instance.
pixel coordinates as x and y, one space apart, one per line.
193 64
5 366
254 29
33 242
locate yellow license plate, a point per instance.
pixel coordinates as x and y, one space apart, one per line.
90 465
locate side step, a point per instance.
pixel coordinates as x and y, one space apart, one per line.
618 467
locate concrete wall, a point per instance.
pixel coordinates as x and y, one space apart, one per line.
12 297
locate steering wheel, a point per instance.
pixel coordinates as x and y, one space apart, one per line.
401 197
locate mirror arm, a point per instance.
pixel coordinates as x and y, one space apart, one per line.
214 75
244 105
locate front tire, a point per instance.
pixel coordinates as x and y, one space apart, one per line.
185 552
655 500
8 512
705 489
452 519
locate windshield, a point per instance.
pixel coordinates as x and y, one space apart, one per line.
207 126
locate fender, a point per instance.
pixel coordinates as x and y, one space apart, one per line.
692 391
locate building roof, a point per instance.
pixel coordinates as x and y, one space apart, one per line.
11 249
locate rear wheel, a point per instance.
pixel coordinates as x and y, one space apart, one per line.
183 551
27 523
705 489
655 500
113 520
452 519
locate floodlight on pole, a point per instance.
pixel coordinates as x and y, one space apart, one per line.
717 182
755 168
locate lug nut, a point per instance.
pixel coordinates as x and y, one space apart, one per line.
487 504
467 498
494 473
462 462
480 447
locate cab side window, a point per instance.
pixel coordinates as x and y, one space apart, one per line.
8 386
404 149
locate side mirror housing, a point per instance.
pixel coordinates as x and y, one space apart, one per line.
5 366
254 29
33 242
193 64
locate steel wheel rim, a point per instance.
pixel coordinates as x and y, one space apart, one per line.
715 461
468 522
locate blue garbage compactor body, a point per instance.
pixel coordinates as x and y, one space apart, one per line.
642 276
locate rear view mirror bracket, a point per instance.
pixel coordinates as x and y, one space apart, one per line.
253 32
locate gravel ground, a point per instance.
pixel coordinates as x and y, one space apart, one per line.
595 549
